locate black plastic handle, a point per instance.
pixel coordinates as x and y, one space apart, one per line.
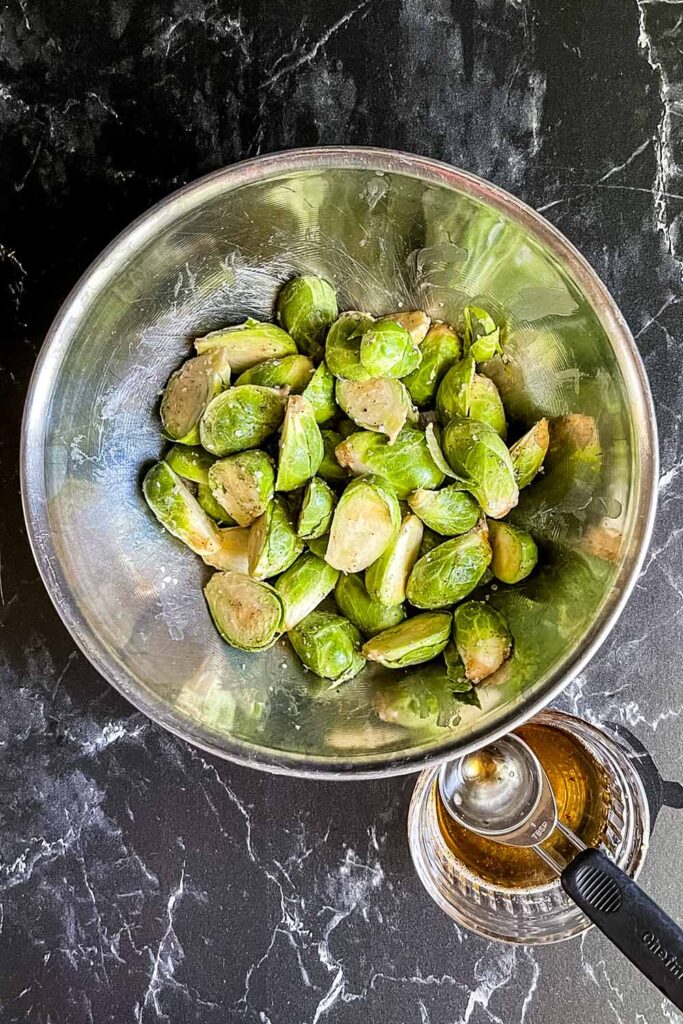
627 916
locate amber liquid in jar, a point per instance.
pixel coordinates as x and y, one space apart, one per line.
581 790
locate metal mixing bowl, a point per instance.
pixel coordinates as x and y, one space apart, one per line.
389 230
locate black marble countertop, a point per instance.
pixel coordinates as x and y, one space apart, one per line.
139 880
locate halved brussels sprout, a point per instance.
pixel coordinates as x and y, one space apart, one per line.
247 613
178 510
189 391
455 670
233 552
243 485
405 465
514 552
191 463
441 349
481 335
450 571
368 615
318 545
482 462
303 586
301 445
320 393
241 418
385 579
365 523
273 543
412 642
388 350
377 404
329 469
307 306
328 645
528 453
317 509
449 511
211 506
415 322
342 348
248 344
453 396
293 372
486 404
482 637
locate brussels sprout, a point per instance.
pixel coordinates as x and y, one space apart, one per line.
233 552
368 615
455 670
482 637
388 350
481 335
243 485
247 613
303 586
329 468
320 393
306 307
415 322
514 552
189 391
342 348
248 344
412 642
211 506
441 349
301 445
178 510
385 579
450 571
328 645
453 396
486 404
449 511
482 462
528 453
377 404
293 372
365 523
406 464
241 418
433 439
273 544
317 509
191 463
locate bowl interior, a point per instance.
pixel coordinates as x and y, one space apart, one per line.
389 233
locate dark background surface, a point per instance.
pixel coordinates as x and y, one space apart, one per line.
140 881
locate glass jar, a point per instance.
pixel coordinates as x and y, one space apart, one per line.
540 913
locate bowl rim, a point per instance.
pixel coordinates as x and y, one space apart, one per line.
262 168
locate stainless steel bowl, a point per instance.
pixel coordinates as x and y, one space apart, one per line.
389 229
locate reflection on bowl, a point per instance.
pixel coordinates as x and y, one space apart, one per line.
390 231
